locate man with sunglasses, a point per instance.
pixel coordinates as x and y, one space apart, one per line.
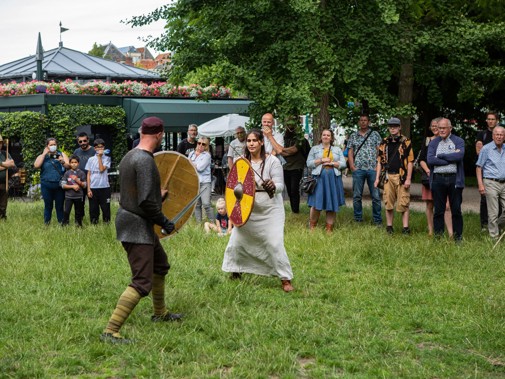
84 152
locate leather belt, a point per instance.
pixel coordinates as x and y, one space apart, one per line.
496 180
393 172
444 174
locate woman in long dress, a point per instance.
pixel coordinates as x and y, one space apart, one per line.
257 247
325 162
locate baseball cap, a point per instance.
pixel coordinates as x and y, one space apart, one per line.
151 125
394 121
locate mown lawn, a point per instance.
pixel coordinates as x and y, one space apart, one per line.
366 305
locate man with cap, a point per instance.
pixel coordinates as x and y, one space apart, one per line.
188 145
447 178
139 209
396 159
6 163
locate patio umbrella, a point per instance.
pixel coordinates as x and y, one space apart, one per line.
222 126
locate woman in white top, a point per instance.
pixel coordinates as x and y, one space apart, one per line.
257 247
201 159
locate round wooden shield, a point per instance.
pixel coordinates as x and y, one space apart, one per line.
240 176
180 178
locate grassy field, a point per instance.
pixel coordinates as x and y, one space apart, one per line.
366 305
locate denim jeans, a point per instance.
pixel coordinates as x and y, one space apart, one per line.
444 187
358 185
52 193
204 202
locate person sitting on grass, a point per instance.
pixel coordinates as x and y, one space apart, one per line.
223 225
73 182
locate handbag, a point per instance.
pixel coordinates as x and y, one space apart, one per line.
308 184
425 179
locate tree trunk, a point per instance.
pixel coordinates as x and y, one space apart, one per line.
321 119
405 93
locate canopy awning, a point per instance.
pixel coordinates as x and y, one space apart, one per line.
177 114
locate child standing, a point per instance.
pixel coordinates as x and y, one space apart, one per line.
98 183
73 182
222 224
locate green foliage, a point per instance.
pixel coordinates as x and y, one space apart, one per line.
64 119
31 129
97 50
61 122
288 56
365 305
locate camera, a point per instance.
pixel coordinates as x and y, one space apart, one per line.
54 155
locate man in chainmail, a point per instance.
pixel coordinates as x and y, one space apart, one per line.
140 208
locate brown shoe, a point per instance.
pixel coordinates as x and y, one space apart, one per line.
286 285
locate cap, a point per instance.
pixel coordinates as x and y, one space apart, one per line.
151 125
394 121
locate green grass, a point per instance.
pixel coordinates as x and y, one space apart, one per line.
366 305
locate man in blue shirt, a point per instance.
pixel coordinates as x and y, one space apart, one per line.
491 179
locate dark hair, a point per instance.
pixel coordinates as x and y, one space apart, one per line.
332 141
365 115
99 141
74 157
51 139
494 113
83 134
259 135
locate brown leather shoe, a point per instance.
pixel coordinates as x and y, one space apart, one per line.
286 285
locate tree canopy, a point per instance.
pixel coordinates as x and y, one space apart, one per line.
394 57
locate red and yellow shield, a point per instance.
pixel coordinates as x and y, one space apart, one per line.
180 178
240 191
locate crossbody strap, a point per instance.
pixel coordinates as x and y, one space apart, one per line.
359 147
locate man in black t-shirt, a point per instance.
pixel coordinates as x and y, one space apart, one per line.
188 144
483 138
294 151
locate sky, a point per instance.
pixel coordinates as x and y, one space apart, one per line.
87 21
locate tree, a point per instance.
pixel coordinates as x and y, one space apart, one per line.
97 51
399 57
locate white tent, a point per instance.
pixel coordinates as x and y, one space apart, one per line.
223 126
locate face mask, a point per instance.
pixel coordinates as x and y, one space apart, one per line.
52 148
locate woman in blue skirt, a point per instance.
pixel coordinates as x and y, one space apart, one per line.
325 161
